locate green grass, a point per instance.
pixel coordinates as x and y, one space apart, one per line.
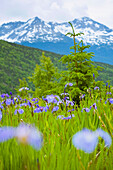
58 152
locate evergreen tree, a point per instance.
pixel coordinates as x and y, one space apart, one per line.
80 67
44 77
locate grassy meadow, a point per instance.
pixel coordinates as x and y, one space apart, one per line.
58 119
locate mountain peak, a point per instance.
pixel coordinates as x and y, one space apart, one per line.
86 18
34 20
37 18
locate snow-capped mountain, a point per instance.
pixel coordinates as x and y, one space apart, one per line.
37 30
51 36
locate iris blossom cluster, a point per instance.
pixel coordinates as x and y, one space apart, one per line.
110 100
41 109
24 133
23 88
4 95
65 118
51 98
87 140
96 88
88 109
20 111
68 84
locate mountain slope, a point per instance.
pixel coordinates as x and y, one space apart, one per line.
50 36
17 62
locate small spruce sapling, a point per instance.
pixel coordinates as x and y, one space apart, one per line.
80 67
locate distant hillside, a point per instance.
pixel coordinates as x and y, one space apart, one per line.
17 62
107 73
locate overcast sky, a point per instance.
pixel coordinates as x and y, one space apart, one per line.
57 10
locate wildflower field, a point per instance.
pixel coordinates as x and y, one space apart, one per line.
54 133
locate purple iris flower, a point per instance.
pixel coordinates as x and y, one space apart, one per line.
26 88
20 111
23 88
111 101
96 88
38 110
29 104
52 98
68 84
65 98
69 103
24 104
65 118
94 106
60 102
8 101
106 84
81 97
86 109
87 140
71 110
108 93
4 95
36 102
60 116
11 93
69 117
33 99
89 108
41 109
55 108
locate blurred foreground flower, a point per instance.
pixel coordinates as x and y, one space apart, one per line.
27 134
87 140
24 133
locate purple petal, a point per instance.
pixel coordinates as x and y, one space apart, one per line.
106 137
6 133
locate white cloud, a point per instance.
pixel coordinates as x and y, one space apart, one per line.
59 10
54 6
